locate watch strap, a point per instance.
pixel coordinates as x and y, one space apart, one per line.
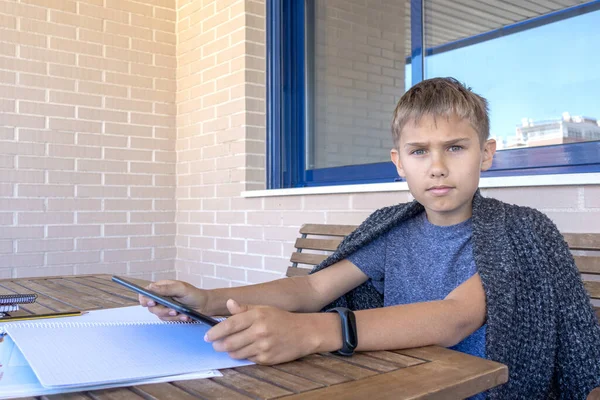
349 332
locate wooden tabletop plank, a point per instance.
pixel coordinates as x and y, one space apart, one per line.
340 366
250 385
66 396
113 288
398 359
293 383
108 300
137 281
437 379
210 390
374 363
115 394
66 295
86 294
162 391
53 304
311 372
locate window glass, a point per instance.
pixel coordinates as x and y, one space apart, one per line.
541 79
356 72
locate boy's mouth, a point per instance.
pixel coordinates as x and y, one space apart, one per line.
439 190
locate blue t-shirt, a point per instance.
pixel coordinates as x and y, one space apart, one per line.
418 261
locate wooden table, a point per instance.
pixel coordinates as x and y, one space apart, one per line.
429 372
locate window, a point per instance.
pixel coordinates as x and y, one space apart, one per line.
336 69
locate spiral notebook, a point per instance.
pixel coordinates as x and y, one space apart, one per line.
75 351
10 299
17 379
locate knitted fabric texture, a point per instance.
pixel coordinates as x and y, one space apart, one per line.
540 322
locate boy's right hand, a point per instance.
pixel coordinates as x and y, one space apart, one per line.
182 292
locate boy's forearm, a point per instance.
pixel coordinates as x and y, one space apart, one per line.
413 325
398 327
290 294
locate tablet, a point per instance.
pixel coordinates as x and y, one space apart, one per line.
167 302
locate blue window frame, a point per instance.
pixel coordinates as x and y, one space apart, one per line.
289 112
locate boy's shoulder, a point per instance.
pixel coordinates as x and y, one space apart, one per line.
515 217
524 211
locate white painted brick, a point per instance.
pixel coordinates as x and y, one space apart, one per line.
264 248
280 233
106 268
205 243
101 243
246 261
248 232
265 218
298 218
73 257
327 202
277 264
6 218
127 255
45 218
36 246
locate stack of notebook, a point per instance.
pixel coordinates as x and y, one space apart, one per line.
10 302
101 349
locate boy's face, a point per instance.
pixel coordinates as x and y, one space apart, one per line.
441 160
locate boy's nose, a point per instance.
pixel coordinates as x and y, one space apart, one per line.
438 168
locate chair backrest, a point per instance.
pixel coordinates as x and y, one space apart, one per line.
586 251
317 241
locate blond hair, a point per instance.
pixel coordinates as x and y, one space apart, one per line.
441 97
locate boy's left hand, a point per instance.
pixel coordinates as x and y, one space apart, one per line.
263 334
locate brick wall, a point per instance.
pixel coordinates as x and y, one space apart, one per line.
89 180
220 136
87 137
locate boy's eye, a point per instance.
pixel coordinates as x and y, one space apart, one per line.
455 148
418 152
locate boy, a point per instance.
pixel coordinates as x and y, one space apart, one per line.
450 268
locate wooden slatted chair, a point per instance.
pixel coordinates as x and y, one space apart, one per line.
317 241
586 251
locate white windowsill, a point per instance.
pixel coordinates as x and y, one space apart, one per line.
508 181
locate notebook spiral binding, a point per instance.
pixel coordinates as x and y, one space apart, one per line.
4 308
42 324
8 299
60 325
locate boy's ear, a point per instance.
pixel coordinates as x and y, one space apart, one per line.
488 154
396 160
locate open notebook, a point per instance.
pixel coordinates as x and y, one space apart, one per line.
119 346
17 379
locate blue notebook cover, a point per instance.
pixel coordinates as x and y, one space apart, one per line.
123 346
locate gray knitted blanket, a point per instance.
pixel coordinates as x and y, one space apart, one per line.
539 318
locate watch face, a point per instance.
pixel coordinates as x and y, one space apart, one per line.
352 336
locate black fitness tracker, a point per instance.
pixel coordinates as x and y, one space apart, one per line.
349 333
